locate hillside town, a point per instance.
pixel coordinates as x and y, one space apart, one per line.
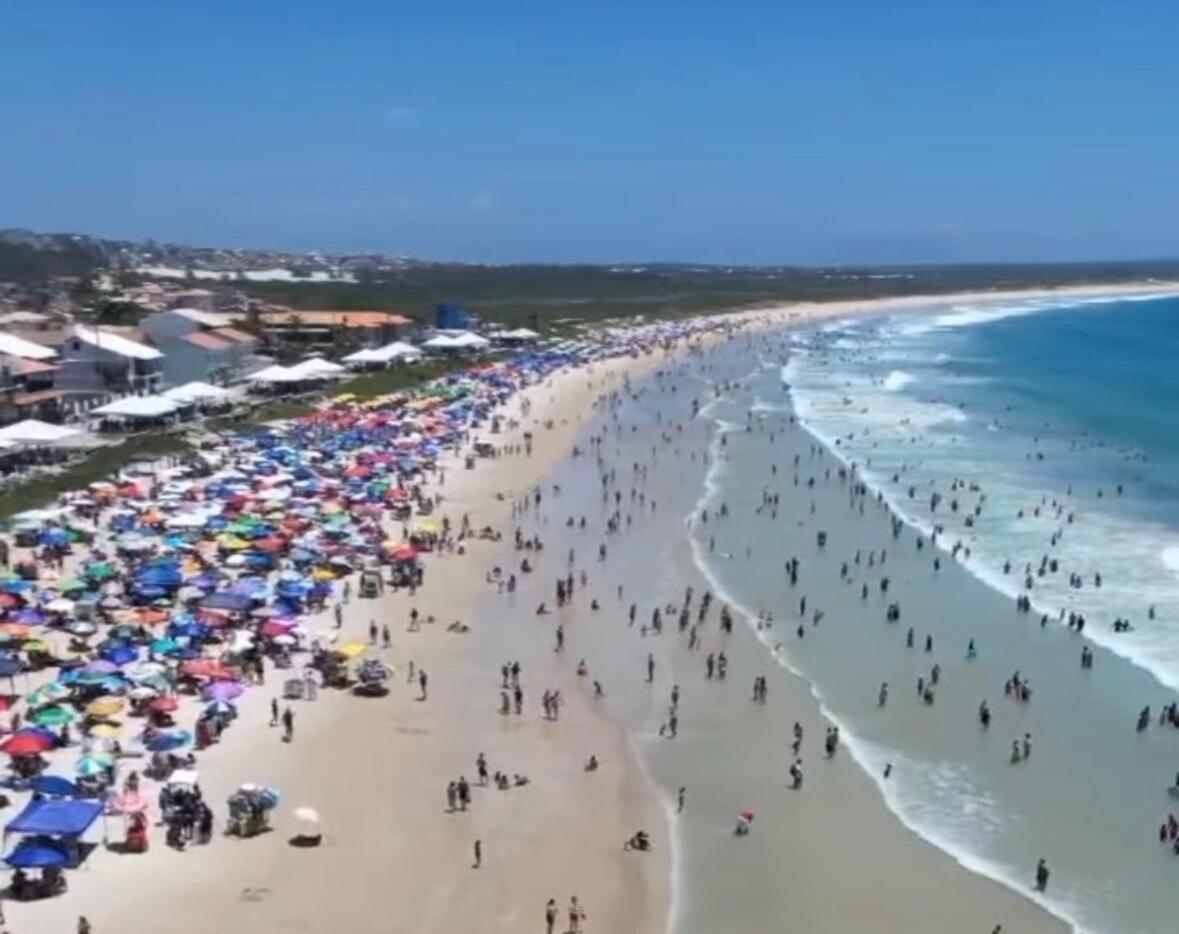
86 360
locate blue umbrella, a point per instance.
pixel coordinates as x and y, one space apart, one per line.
166 742
17 585
10 666
120 654
54 785
37 853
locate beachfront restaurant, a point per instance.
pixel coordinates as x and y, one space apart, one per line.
51 834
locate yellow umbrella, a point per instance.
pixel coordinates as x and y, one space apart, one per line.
104 706
34 645
352 649
105 730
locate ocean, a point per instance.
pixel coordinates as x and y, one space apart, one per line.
1049 431
1069 407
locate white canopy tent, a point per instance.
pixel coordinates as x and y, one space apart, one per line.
317 368
196 391
139 407
33 431
398 350
516 336
276 374
463 340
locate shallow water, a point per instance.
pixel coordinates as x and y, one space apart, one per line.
1091 797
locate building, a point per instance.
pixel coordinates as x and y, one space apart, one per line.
451 317
27 374
200 345
289 332
101 362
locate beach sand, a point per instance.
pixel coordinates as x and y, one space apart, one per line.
376 770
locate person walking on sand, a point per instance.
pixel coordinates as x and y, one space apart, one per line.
84 925
385 640
372 632
422 681
478 854
679 800
550 916
274 711
576 915
288 725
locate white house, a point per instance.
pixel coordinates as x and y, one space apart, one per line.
100 360
200 345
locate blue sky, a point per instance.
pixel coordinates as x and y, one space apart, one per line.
739 132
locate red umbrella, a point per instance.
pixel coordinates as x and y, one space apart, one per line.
405 553
275 628
204 668
164 704
27 744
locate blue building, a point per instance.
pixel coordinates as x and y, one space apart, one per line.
449 316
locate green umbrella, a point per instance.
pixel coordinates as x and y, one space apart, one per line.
72 584
53 716
101 571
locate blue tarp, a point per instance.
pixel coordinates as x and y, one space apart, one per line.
37 854
63 818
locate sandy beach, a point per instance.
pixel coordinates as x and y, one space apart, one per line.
395 858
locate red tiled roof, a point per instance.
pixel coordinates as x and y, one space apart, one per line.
344 319
32 398
206 340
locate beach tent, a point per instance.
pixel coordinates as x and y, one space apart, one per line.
276 374
196 391
463 340
517 336
317 368
61 817
138 407
32 431
35 853
398 350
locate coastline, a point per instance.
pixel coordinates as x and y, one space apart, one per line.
392 858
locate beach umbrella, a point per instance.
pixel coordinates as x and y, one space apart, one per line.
164 704
100 667
223 690
53 785
119 655
352 649
105 730
16 630
166 742
28 743
144 671
10 666
81 628
53 716
164 646
90 766
34 645
219 708
104 707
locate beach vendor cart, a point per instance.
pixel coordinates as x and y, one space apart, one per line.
249 810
